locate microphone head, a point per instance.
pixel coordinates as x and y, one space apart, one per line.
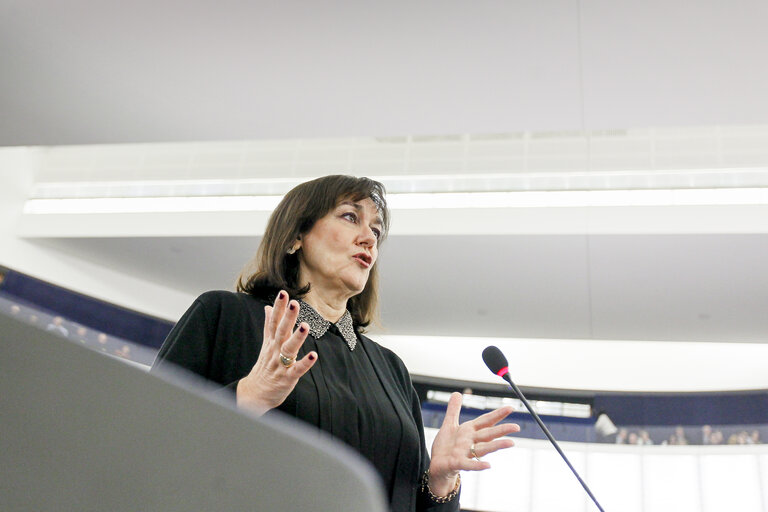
495 360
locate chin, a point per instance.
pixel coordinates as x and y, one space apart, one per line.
357 290
356 287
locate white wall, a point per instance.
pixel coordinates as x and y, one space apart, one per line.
600 365
531 477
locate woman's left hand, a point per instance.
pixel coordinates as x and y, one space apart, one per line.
452 450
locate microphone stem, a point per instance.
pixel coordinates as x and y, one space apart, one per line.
551 438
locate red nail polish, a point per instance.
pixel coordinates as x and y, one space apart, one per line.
281 296
302 329
311 357
291 307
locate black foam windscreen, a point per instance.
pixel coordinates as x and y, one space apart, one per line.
494 359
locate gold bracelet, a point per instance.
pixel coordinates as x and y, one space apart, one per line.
439 499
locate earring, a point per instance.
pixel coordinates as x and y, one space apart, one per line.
293 248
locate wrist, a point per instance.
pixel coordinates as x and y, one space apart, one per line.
248 398
441 489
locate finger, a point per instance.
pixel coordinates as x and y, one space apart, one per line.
303 365
292 345
278 310
268 335
473 465
483 449
491 433
285 327
491 418
453 410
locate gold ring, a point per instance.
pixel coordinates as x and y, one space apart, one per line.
473 453
287 361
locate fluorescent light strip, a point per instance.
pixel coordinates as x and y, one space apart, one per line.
581 198
151 205
433 183
537 199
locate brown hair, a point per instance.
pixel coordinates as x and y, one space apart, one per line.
273 269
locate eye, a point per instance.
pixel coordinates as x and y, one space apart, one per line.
376 233
351 216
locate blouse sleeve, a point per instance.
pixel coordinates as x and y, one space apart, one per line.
189 343
215 339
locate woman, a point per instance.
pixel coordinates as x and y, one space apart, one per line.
291 340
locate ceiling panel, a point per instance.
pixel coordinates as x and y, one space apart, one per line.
523 286
97 72
681 287
658 63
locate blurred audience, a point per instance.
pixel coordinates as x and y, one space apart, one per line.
124 352
744 437
57 327
645 438
81 334
93 339
679 437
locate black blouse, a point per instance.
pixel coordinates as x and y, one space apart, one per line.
363 397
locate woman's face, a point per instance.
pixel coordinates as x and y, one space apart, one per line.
338 252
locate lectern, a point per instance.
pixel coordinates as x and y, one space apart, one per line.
82 431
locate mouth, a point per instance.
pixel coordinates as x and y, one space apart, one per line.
363 259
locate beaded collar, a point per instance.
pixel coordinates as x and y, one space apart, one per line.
318 325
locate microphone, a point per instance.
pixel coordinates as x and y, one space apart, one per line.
497 363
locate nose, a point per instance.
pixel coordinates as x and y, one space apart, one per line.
367 237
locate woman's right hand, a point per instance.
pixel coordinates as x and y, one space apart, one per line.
270 382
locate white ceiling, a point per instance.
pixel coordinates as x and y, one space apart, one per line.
82 72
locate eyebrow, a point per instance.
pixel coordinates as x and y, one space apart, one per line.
359 207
